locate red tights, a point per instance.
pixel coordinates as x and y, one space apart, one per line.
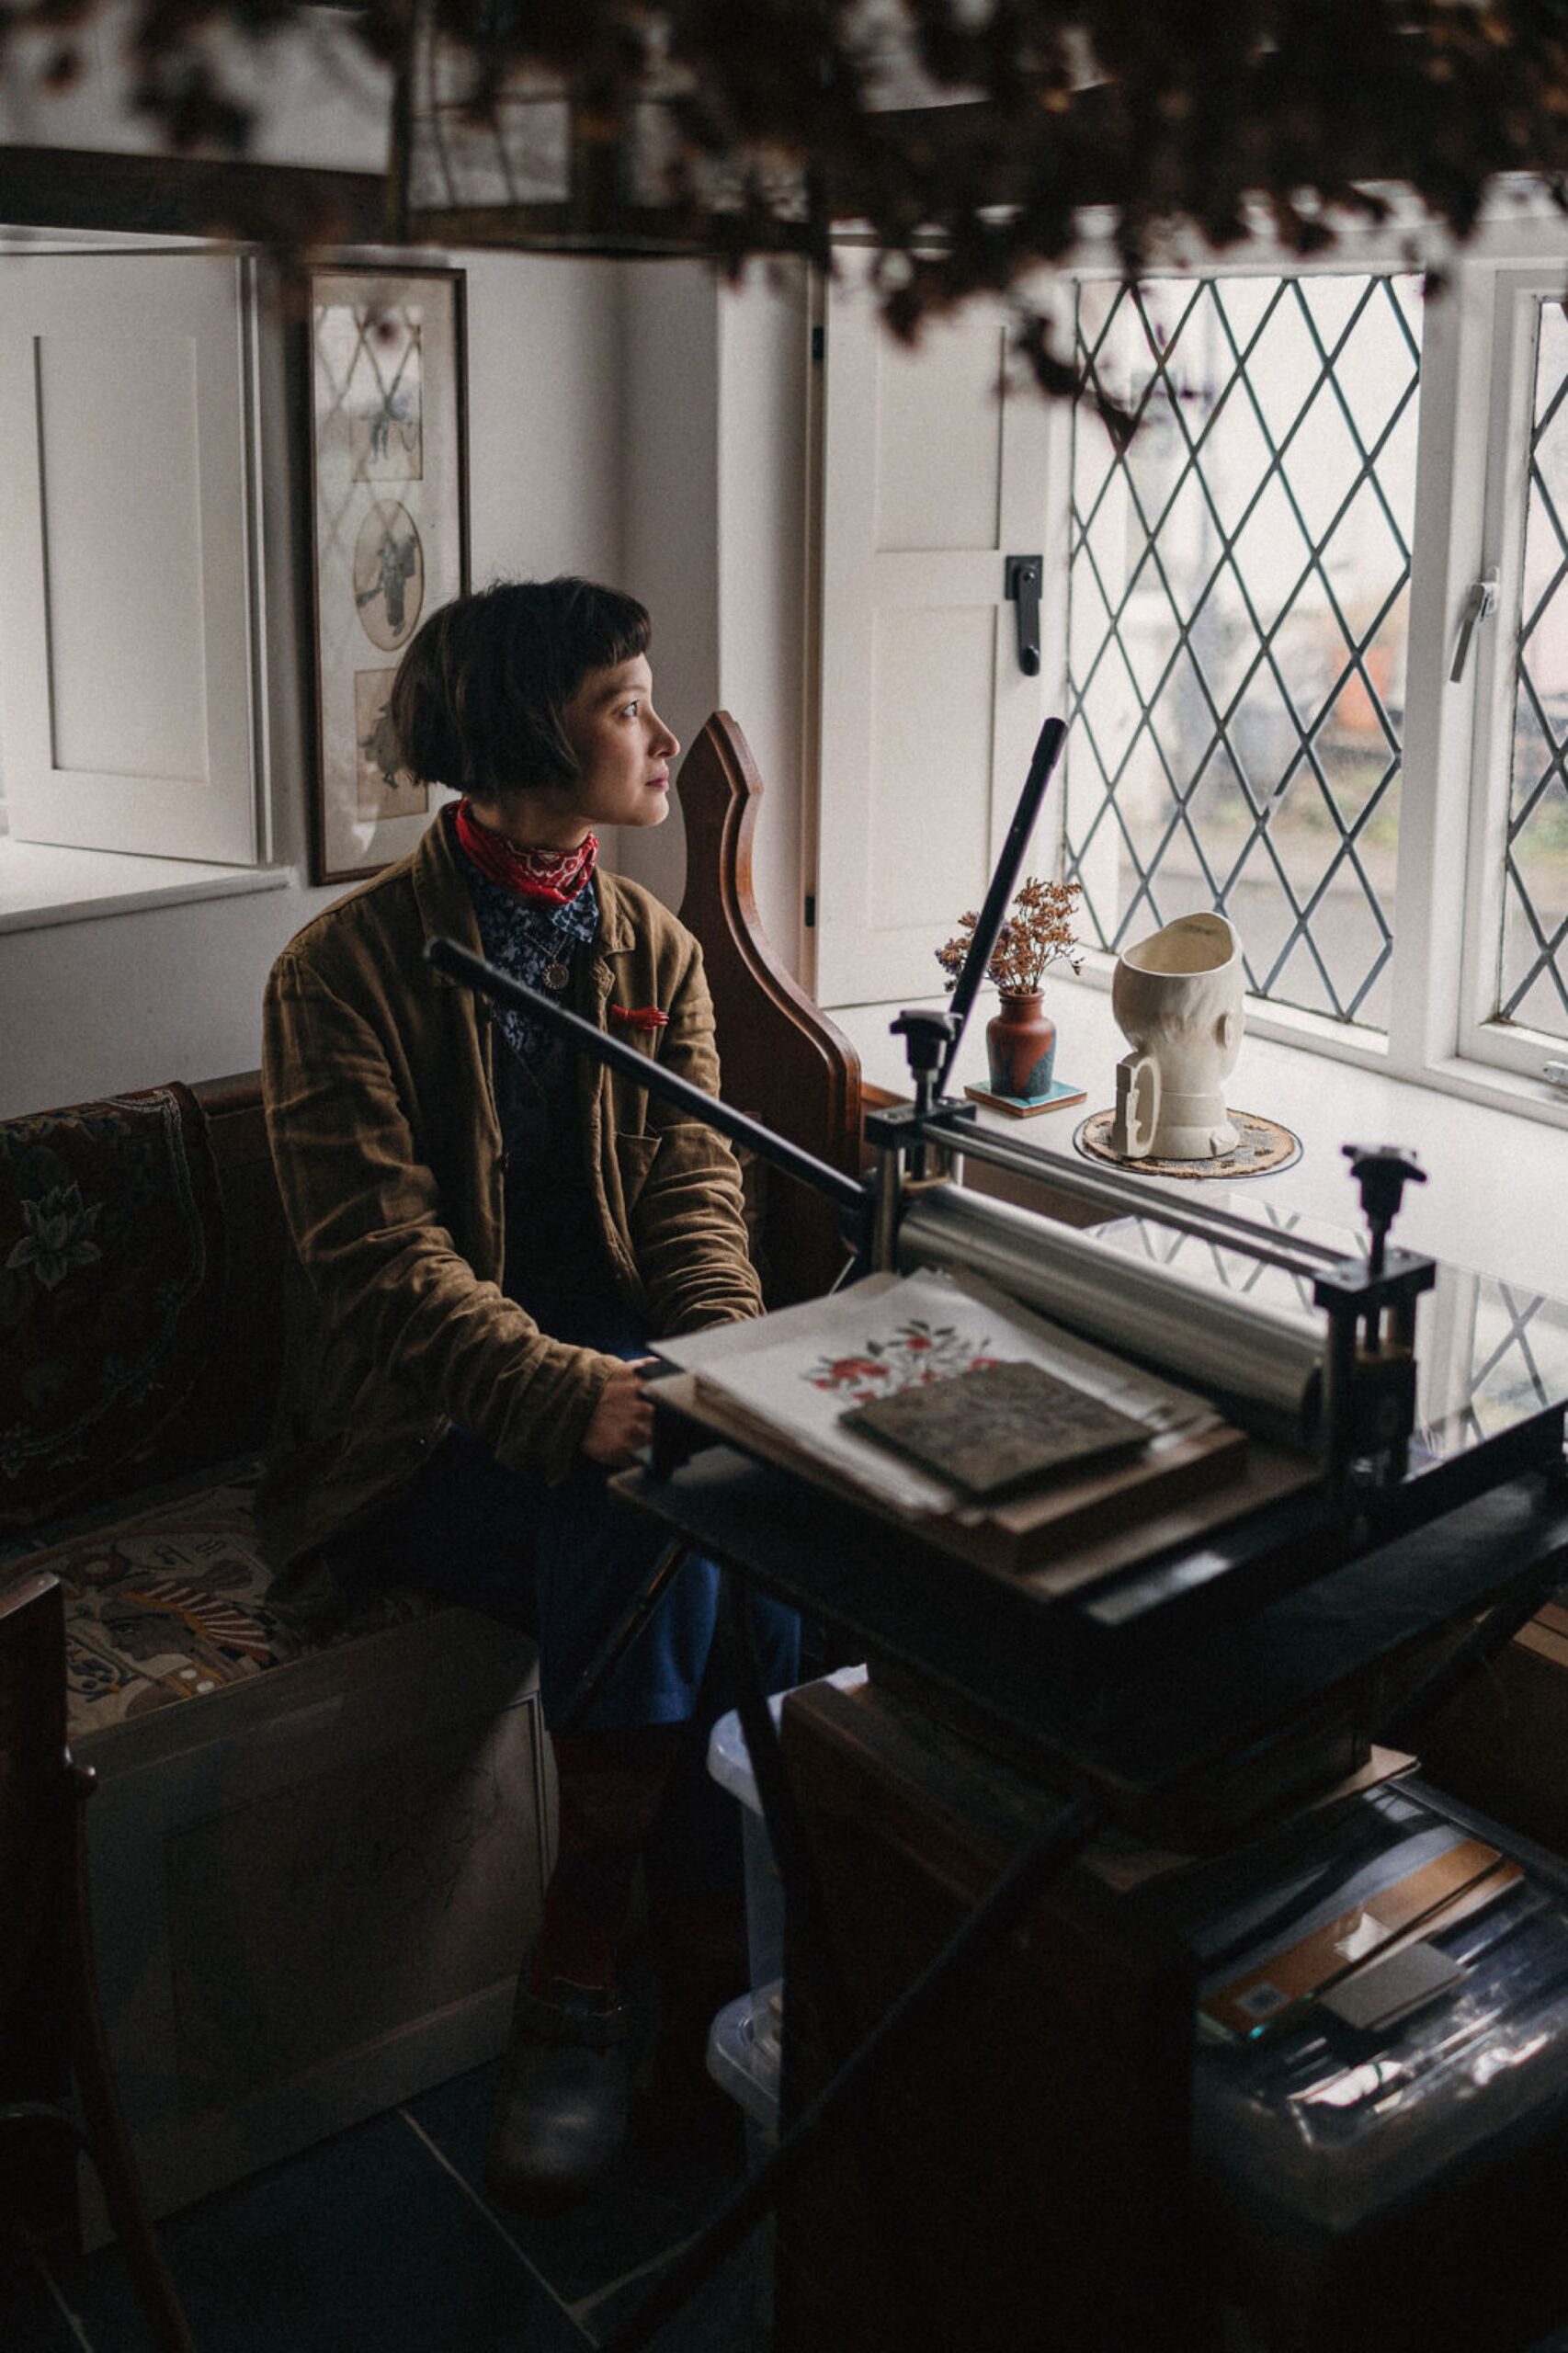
611 1787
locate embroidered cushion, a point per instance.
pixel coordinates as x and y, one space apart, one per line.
111 1281
170 1603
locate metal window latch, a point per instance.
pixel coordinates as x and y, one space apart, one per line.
1479 606
1020 584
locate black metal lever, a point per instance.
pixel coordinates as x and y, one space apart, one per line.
470 971
1020 584
988 923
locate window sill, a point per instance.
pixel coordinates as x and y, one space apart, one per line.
1492 1197
41 884
1312 1033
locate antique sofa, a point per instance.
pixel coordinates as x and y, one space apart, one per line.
315 1857
314 1860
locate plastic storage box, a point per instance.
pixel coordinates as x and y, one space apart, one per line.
730 1764
743 2059
743 2046
1377 2177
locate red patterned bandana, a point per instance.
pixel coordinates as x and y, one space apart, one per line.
548 878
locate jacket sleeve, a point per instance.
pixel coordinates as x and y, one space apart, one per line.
687 1223
397 1300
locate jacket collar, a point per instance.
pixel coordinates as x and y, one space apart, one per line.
439 892
615 934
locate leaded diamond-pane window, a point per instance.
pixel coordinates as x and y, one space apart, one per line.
1532 981
1239 582
1491 1354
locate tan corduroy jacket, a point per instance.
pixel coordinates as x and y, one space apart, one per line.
382 1117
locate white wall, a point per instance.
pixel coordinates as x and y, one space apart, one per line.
669 476
715 470
764 343
131 999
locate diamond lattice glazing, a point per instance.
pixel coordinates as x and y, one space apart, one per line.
1532 980
1239 591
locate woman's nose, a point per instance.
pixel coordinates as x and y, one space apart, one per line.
668 742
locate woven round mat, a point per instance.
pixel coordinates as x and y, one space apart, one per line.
1265 1145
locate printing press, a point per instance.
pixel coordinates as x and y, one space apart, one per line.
1375 1508
1382 1529
1166 1678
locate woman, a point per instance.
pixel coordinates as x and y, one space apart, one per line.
492 1230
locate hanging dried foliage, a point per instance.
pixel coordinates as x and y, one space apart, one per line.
969 136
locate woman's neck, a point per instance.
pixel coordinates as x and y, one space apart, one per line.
529 823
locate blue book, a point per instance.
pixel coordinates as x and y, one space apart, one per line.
1024 1107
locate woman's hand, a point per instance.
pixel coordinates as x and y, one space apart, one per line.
623 1419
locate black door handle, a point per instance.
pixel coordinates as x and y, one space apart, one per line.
1020 584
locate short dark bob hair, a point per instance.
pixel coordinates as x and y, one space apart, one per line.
480 698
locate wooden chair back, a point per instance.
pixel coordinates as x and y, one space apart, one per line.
783 1060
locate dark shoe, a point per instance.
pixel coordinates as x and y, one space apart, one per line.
562 2114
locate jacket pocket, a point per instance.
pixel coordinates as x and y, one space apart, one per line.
634 1155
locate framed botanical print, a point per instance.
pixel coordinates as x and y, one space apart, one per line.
388 497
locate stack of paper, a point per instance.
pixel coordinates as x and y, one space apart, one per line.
795 1374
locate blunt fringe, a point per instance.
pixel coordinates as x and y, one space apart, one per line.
480 697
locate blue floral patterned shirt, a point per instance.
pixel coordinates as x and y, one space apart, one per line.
531 944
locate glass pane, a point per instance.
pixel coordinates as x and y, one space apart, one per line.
1489 1356
1532 978
1238 584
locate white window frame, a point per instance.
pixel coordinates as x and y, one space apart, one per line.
1472 373
1511 1046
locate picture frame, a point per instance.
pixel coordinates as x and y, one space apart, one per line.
386 398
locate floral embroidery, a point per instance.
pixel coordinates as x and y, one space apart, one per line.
59 1236
638 1017
918 1353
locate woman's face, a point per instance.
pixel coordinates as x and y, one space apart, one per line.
624 746
625 750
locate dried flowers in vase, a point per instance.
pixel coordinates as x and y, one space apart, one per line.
1037 933
1020 1040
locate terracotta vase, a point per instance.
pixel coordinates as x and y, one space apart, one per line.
1020 1046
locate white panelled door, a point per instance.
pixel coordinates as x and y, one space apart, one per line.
930 479
126 555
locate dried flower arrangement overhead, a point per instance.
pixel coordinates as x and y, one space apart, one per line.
1037 933
970 137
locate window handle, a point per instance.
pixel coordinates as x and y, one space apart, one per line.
1479 606
1020 584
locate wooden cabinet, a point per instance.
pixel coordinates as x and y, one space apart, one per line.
1016 2177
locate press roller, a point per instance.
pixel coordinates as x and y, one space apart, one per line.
1264 1364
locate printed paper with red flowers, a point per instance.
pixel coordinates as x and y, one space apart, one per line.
919 1353
797 1372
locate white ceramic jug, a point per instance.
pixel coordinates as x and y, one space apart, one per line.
1177 1000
